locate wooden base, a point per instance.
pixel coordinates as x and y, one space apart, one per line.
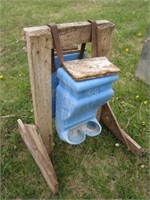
33 141
107 117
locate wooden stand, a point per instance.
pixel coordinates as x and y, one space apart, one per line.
34 143
39 44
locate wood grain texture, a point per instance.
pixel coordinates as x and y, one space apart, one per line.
98 115
39 59
69 33
104 39
35 145
89 68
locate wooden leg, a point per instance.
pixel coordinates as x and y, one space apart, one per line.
99 112
108 118
33 141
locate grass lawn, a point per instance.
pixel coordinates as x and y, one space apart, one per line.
96 169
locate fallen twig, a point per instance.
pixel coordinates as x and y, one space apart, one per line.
7 116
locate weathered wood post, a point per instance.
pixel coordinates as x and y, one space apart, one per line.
39 46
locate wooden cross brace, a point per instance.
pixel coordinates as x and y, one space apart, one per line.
39 45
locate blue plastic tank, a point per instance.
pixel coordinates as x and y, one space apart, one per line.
77 103
67 57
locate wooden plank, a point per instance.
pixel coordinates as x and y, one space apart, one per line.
38 151
134 147
71 49
70 33
104 39
90 68
110 122
36 136
98 115
39 58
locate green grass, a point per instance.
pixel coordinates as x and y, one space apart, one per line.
97 169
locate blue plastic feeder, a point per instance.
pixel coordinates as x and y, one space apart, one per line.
67 57
77 102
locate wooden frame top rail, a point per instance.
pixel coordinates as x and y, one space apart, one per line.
70 33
